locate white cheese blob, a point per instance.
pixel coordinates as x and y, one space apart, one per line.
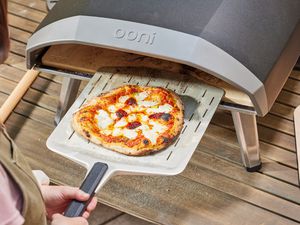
106 132
150 134
166 108
141 96
114 116
103 119
132 118
112 108
144 118
131 134
121 123
117 132
146 103
157 127
124 98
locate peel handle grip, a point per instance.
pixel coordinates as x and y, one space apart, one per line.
89 185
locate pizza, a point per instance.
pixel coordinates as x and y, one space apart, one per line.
132 120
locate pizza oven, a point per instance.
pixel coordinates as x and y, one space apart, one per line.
247 48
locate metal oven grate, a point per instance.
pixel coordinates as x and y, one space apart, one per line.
200 102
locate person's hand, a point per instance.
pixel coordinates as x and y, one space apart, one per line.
57 199
58 219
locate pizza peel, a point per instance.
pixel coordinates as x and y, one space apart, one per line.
200 102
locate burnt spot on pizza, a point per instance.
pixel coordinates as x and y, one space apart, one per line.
166 116
167 140
121 113
131 101
163 116
133 125
87 134
146 142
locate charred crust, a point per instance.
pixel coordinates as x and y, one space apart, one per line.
167 140
146 142
87 134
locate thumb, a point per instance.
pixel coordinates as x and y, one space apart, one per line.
58 219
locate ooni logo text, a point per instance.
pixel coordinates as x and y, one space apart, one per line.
141 37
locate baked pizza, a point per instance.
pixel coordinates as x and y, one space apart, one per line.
132 120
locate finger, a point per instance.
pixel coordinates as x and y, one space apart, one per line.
92 205
86 215
74 193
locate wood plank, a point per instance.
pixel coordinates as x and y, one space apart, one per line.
292 85
34 4
104 215
277 123
33 96
16 61
266 134
295 74
19 22
191 202
42 84
126 219
18 35
237 173
238 189
282 110
17 47
223 143
32 111
25 12
288 98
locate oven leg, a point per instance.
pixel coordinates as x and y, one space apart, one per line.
68 94
246 131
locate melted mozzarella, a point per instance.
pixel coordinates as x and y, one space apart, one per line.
144 118
117 132
106 132
121 123
123 99
149 134
141 96
131 134
103 119
131 118
146 103
112 108
114 116
166 108
152 133
157 127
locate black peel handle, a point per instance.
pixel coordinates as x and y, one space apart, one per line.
89 185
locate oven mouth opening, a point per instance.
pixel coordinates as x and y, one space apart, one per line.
82 61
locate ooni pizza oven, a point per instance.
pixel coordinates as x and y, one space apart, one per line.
250 46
